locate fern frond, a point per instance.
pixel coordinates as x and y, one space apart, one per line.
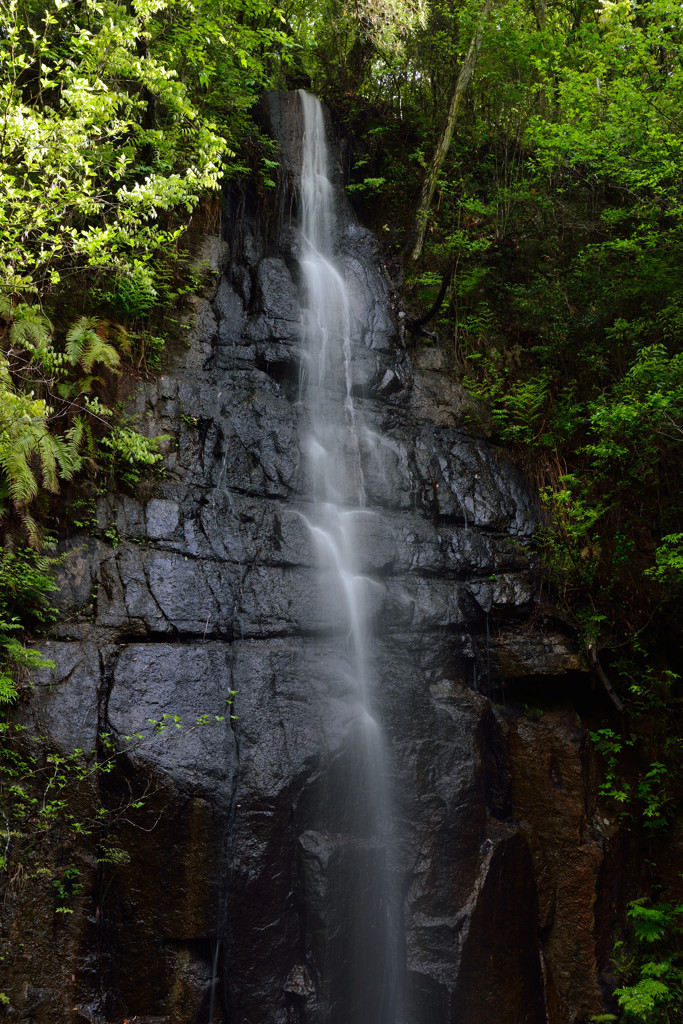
5 376
6 306
67 389
76 433
86 346
46 449
30 328
66 451
88 441
8 691
84 325
122 338
100 352
21 481
30 528
85 385
78 335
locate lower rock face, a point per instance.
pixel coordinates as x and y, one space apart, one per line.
219 909
567 840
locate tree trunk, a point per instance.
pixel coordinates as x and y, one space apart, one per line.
602 675
427 194
541 15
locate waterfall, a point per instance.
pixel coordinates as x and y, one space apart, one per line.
362 954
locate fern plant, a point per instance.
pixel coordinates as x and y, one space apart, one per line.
86 345
129 454
655 995
26 583
30 334
31 456
30 328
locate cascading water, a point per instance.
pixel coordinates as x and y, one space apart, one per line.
362 954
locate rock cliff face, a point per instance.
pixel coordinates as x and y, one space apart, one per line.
212 588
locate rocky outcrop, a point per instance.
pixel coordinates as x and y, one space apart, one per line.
211 593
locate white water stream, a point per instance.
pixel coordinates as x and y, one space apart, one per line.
363 986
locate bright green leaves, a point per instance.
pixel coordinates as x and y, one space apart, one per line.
519 406
641 1001
86 346
668 567
67 886
613 787
103 125
31 455
225 55
42 438
116 119
639 421
29 327
569 545
45 440
26 584
649 794
128 453
616 107
352 47
656 990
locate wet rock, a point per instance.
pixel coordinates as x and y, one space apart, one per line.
212 255
162 518
550 772
276 291
371 322
299 982
202 331
528 653
441 400
185 694
65 700
502 975
230 312
76 577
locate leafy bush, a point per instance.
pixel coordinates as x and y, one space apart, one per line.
129 454
26 583
31 455
655 995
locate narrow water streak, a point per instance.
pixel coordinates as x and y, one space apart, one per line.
362 947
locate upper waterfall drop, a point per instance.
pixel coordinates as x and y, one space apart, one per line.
327 327
317 196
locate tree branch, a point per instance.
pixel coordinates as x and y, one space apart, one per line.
429 185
